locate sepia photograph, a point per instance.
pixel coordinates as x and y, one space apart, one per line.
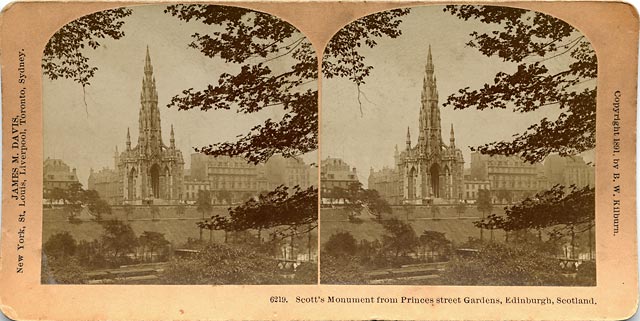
179 148
460 151
319 160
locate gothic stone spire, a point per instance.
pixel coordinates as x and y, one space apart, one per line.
150 136
430 137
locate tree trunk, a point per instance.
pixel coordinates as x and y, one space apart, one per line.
573 244
210 235
291 247
201 234
590 245
309 246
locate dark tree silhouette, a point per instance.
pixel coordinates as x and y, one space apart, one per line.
259 44
118 238
341 244
64 55
284 208
534 41
565 211
435 242
152 241
96 205
399 237
60 245
255 40
484 205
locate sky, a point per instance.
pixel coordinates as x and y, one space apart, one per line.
391 96
85 137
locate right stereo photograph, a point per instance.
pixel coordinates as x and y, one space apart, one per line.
457 148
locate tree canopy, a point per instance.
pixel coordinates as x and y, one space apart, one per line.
64 56
256 41
563 208
283 207
535 42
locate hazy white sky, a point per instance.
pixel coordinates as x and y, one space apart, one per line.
88 139
391 99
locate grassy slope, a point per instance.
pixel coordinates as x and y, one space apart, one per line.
421 218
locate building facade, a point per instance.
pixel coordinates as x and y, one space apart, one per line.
334 172
472 188
230 179
150 172
387 182
569 171
289 172
105 182
511 179
57 174
429 171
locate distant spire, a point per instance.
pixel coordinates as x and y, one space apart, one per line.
172 140
452 139
408 139
128 139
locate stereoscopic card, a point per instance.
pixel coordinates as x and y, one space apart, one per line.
319 160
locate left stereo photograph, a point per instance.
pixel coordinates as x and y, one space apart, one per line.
179 148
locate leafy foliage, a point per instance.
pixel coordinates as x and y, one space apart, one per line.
559 206
66 270
152 241
355 198
561 211
341 56
399 237
341 270
483 202
533 40
255 41
223 264
203 202
118 238
291 208
63 55
60 245
306 273
435 242
341 243
502 265
74 198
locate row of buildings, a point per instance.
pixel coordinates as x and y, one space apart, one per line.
228 179
508 178
152 172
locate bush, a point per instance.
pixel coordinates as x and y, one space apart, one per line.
60 245
586 275
502 265
306 273
341 243
341 270
62 271
223 264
